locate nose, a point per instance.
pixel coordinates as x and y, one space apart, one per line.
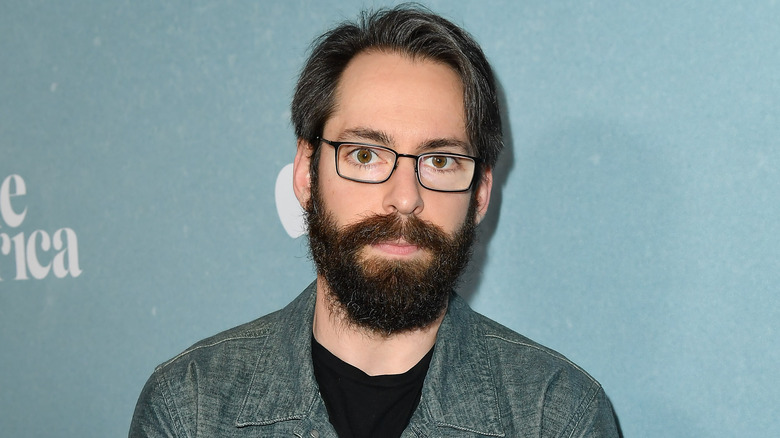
403 191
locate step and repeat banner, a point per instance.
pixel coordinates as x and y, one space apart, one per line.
145 198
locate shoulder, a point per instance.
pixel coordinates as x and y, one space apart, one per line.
534 382
513 351
265 334
216 374
184 385
247 335
228 354
506 342
514 356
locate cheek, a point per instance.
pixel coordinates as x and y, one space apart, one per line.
346 201
328 183
447 210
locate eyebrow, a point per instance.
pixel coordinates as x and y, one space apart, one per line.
445 143
382 138
365 134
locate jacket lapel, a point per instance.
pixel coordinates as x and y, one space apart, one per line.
283 386
459 390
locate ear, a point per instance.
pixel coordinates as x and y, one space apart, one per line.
301 174
482 196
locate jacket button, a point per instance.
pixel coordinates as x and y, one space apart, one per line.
314 434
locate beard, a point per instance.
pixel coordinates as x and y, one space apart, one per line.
387 296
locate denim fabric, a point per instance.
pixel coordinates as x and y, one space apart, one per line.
256 380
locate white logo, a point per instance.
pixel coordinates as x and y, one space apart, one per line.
28 251
287 205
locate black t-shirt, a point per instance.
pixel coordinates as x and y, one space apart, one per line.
360 405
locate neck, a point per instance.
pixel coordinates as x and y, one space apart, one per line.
374 354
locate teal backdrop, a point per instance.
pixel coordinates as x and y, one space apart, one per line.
635 224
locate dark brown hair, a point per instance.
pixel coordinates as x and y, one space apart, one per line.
411 30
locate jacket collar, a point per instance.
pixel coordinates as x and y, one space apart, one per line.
283 386
459 391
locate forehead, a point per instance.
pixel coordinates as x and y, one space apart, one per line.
411 100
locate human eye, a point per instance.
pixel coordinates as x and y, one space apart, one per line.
446 172
364 156
441 162
361 155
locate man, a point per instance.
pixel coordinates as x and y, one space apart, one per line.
398 131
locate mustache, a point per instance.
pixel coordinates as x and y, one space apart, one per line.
381 228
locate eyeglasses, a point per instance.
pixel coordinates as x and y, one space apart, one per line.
372 164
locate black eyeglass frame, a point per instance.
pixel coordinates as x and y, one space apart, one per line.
337 144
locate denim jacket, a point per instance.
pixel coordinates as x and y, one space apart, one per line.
484 380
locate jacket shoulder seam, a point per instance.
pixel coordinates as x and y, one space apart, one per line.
212 343
547 352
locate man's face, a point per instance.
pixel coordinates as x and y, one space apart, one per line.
411 106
